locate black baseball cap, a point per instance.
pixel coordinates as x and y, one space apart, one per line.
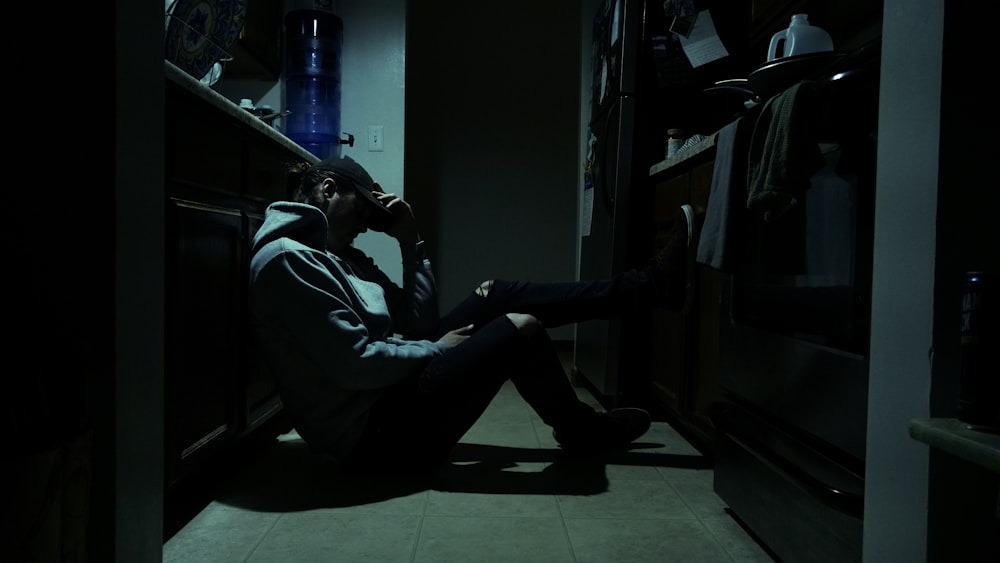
345 168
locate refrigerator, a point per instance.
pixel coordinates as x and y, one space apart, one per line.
610 232
641 85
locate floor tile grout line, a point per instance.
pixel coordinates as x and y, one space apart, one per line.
264 536
496 424
715 538
565 527
420 526
417 536
701 520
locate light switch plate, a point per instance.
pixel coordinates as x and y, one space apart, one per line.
375 138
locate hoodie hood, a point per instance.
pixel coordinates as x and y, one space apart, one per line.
300 222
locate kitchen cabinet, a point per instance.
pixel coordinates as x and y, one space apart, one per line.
685 344
223 167
258 52
203 304
964 499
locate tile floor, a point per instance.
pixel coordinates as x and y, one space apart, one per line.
509 495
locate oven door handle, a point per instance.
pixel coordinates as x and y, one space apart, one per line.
848 503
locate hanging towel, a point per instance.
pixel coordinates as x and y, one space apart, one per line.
725 213
784 151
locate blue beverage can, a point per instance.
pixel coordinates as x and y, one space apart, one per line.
979 380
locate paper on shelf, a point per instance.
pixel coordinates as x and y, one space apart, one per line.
702 44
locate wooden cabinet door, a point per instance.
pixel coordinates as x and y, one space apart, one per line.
685 345
259 400
701 183
668 364
204 308
703 389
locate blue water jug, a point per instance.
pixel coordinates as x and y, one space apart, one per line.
313 43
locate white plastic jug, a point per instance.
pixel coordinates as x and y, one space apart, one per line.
800 38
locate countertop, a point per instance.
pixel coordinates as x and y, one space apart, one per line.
186 81
686 154
959 439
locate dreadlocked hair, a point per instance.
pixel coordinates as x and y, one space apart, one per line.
294 177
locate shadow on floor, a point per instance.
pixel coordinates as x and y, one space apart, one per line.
287 477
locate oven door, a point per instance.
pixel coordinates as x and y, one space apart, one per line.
792 421
797 344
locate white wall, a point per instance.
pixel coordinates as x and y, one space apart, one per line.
896 475
492 147
373 94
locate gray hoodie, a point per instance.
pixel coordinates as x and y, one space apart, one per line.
330 325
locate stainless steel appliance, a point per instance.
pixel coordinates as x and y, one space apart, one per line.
642 85
790 451
598 344
602 347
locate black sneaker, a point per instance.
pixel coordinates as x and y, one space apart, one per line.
672 267
610 430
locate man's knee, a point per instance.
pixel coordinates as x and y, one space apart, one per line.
484 288
525 324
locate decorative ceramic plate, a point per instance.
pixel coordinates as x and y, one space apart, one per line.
201 33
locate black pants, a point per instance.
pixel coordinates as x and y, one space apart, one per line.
416 423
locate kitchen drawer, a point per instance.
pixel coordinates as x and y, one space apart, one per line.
802 505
